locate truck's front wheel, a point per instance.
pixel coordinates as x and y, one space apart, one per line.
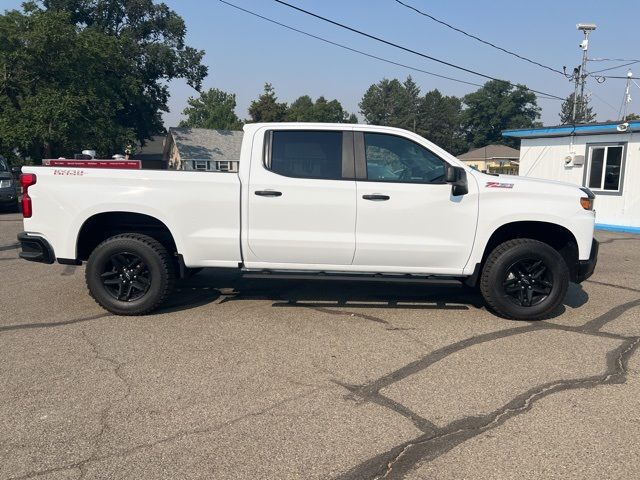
130 274
524 279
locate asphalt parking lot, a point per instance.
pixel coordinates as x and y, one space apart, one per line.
317 380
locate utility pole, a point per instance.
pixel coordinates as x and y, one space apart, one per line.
581 74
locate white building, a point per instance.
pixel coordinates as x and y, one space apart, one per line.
604 157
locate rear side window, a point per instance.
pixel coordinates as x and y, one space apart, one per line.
306 154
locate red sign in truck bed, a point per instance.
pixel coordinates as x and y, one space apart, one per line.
95 163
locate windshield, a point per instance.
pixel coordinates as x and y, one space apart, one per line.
3 165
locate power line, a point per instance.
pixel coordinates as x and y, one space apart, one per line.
613 60
354 50
349 48
605 77
459 30
617 66
406 49
615 109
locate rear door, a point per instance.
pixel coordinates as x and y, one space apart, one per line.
302 200
408 219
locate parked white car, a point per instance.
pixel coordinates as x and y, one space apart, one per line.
309 200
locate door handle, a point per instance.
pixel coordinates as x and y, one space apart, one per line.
376 197
268 193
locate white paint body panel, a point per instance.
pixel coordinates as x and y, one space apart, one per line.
415 227
200 209
217 220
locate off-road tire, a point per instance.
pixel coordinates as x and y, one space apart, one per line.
158 261
496 268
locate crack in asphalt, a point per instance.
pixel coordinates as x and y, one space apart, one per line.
401 459
611 240
104 414
614 285
332 311
13 246
28 326
425 450
82 465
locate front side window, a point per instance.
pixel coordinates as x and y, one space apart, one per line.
396 159
605 167
3 165
306 154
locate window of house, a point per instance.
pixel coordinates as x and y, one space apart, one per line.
200 165
396 159
606 164
306 154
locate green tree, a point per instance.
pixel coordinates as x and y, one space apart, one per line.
88 73
304 109
384 103
266 108
439 121
212 109
584 112
410 105
301 110
495 107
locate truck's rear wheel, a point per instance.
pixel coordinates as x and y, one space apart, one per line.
130 274
524 279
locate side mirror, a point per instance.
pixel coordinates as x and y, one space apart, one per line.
457 177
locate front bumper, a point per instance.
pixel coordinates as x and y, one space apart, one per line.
35 249
586 267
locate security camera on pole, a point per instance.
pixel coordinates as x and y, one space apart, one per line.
581 75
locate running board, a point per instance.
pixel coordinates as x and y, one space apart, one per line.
361 277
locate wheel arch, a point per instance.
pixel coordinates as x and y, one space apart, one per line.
555 235
103 225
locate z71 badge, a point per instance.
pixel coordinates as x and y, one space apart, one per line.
498 185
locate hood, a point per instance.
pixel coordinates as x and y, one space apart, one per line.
515 183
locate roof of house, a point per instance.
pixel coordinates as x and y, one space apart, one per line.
568 130
152 149
207 144
490 152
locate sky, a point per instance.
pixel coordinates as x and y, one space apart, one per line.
244 52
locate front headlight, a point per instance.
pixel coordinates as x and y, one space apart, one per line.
6 183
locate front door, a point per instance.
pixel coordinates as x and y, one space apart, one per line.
407 216
302 201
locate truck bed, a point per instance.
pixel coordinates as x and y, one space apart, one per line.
201 209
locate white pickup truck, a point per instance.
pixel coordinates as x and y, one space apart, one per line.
311 200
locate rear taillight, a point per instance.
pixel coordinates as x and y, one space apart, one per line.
26 180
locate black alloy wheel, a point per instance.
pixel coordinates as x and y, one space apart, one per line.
126 277
528 282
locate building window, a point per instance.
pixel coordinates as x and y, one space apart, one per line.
200 165
606 168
